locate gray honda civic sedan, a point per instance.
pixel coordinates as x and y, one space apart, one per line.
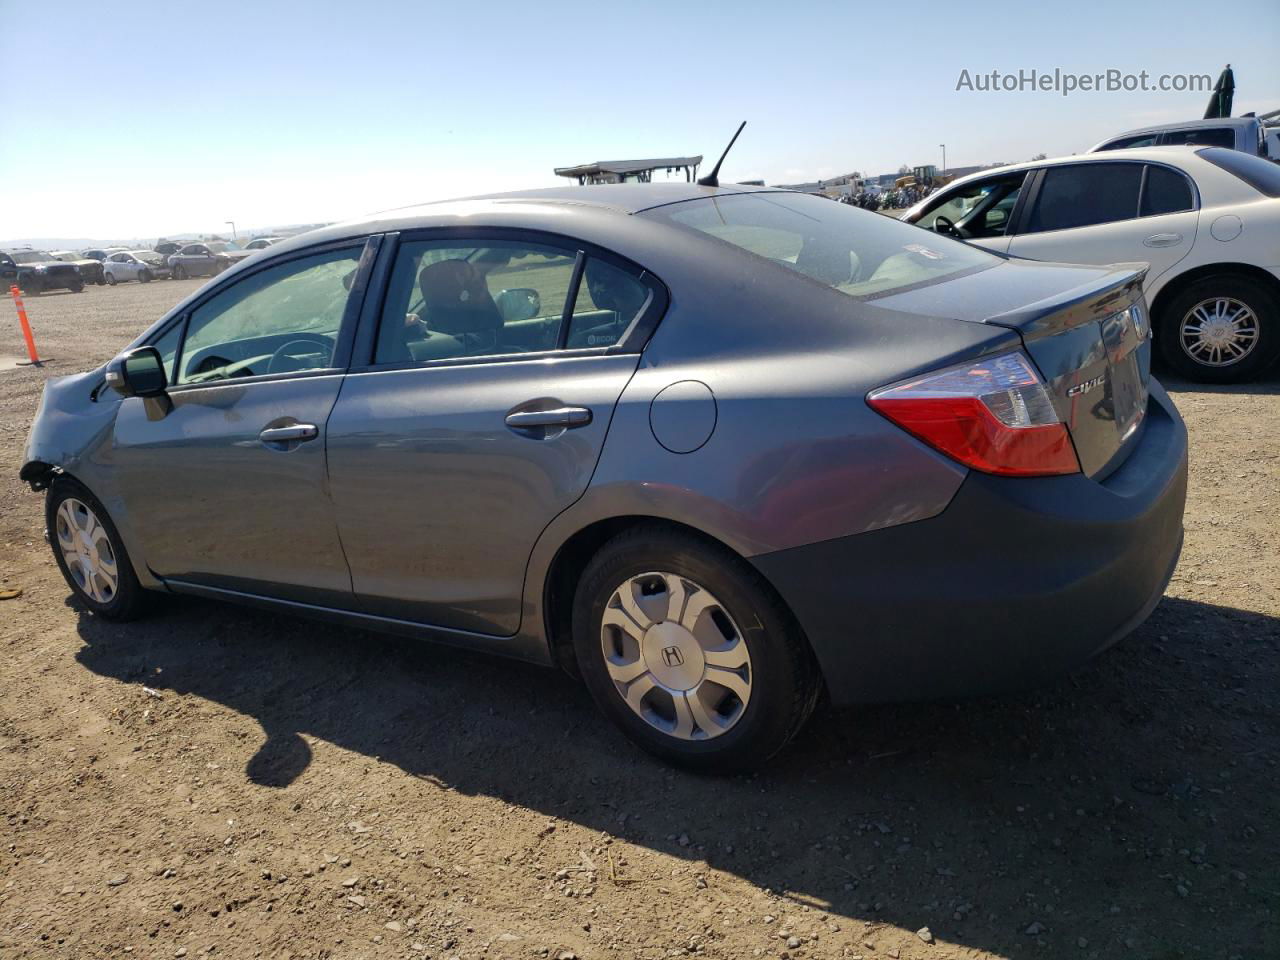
719 451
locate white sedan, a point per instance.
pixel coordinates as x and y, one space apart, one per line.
141 265
1206 219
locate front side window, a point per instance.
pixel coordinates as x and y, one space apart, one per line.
858 253
1081 195
280 320
450 299
982 209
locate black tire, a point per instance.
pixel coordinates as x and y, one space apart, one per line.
32 287
1265 307
179 272
144 276
128 599
77 287
784 679
111 279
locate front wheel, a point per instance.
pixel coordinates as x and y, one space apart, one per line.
89 552
179 272
77 287
144 276
1221 329
111 279
691 652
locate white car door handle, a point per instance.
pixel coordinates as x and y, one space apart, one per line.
1163 240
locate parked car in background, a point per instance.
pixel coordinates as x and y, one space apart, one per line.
261 243
168 248
100 253
36 271
1206 219
1246 134
90 269
205 259
719 451
140 265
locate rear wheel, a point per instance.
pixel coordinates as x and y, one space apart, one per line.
111 279
32 287
89 552
687 649
144 276
77 286
1220 329
179 272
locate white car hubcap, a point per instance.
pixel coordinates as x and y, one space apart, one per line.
86 549
1219 332
675 656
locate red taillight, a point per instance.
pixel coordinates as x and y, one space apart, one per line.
993 415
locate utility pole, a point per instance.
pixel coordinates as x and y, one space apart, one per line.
232 225
944 157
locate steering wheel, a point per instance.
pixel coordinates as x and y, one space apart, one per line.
278 364
944 225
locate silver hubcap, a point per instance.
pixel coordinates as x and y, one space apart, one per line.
675 656
86 548
1219 332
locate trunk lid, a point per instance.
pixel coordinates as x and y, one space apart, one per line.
1078 327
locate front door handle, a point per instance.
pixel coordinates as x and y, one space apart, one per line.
1163 240
293 433
567 417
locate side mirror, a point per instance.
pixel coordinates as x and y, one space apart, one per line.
138 373
522 303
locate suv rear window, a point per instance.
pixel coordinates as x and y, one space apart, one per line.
856 252
1262 175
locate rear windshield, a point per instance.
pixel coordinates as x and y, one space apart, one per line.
1262 175
859 253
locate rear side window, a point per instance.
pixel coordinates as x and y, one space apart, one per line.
1166 191
1262 175
456 299
1124 143
1212 137
1081 195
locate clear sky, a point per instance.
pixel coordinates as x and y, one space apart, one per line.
145 119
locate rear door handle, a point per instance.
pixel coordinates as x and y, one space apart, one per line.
1163 240
294 433
559 417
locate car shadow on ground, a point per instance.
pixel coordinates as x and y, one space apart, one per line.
1268 383
1134 802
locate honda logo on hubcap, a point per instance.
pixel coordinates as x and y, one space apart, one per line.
672 656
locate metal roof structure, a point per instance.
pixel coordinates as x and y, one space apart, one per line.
620 171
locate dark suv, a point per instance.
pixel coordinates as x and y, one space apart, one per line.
35 271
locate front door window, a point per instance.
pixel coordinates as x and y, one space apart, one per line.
280 320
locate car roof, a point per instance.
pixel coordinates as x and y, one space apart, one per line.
1181 155
626 198
1215 123
543 209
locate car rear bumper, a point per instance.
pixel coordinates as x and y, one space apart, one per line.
1019 580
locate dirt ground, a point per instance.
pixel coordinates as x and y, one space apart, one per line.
217 781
